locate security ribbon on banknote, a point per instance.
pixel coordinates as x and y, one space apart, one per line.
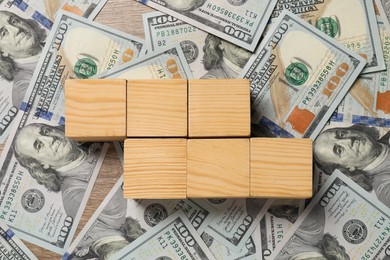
298 76
46 178
342 221
173 238
365 117
368 100
162 30
350 22
240 22
12 247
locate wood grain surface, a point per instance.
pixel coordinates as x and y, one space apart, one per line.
221 164
219 108
281 168
95 110
155 168
157 108
127 17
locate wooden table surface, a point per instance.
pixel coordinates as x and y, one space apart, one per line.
126 16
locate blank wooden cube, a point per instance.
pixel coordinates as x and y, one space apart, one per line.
155 168
218 168
95 109
157 108
281 168
219 108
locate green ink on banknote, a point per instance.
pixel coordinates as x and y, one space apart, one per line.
296 73
328 25
85 68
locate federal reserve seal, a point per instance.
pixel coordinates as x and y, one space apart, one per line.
355 231
237 2
207 239
296 73
85 68
33 200
191 50
328 25
154 214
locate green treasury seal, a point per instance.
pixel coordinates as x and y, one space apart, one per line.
297 73
328 25
85 68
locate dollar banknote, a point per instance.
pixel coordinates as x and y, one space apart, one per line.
342 221
240 22
298 77
367 102
162 30
168 63
364 112
124 220
84 8
235 220
350 22
173 238
384 9
251 251
12 247
45 10
276 223
46 178
33 19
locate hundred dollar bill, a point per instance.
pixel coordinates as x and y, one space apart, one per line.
45 11
360 151
28 24
298 76
119 221
12 247
73 53
173 238
275 224
343 222
85 8
168 63
235 220
240 22
19 60
350 22
46 178
364 112
384 9
162 30
367 102
250 251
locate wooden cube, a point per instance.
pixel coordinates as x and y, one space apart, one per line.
157 108
218 168
95 109
219 108
281 168
155 168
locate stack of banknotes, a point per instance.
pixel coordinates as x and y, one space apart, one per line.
318 69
